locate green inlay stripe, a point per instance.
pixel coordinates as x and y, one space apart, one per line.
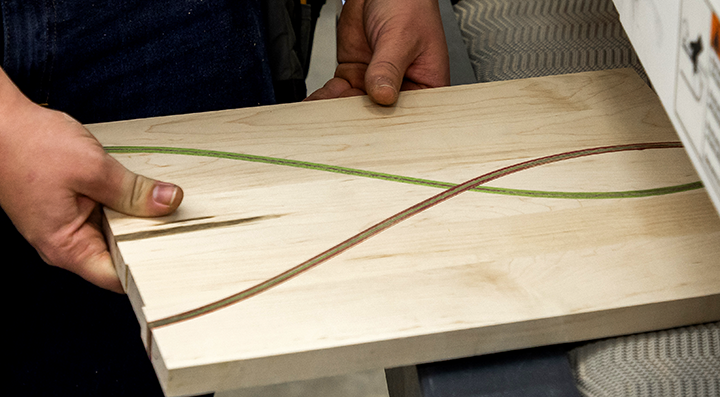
400 178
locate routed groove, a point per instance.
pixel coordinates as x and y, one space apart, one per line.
190 228
453 191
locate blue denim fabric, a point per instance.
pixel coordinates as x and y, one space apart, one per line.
2 37
109 60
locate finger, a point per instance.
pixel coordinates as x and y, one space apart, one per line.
83 250
352 92
409 85
100 271
352 45
384 75
98 267
349 80
332 89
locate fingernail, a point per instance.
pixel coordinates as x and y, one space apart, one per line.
385 94
164 193
388 86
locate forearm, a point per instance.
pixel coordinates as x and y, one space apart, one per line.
14 107
18 119
16 110
11 100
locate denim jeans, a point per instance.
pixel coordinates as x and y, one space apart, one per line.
105 60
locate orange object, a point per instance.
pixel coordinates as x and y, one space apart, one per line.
715 34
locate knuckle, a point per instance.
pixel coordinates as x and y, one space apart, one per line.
55 249
136 197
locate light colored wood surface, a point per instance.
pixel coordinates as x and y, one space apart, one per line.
476 274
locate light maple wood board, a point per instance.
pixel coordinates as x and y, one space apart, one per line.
477 273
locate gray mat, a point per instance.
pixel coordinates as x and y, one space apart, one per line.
514 39
676 362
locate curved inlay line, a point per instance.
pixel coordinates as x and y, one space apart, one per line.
453 191
400 178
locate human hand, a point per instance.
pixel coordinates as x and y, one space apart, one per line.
53 174
385 46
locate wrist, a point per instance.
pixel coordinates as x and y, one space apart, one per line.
13 104
18 122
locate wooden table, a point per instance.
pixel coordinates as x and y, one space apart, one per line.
582 219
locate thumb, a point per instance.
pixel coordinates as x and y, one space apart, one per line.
142 196
124 191
108 182
384 75
133 194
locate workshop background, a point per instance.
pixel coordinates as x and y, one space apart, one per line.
493 40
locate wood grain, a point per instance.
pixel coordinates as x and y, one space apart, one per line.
483 271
